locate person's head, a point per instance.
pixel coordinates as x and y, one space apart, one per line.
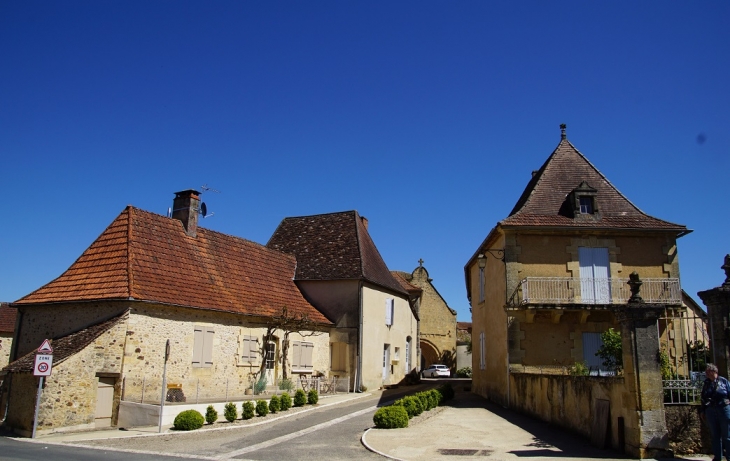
711 371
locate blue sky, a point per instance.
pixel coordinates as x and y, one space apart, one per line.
426 117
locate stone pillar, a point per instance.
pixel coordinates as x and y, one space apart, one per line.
717 301
646 436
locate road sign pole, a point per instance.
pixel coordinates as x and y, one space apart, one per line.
164 384
37 403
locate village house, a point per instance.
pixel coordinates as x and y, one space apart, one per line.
437 325
550 278
7 328
340 271
145 280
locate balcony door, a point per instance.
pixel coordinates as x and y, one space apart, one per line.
595 285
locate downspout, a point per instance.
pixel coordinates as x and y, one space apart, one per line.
358 381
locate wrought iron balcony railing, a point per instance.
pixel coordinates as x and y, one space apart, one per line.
569 290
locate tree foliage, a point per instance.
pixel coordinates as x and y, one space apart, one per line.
611 350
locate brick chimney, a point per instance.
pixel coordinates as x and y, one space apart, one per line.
185 207
364 221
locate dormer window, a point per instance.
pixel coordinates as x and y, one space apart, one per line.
586 205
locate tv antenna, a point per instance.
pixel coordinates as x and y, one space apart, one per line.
209 189
203 210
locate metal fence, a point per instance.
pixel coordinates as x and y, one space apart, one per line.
205 390
684 345
556 370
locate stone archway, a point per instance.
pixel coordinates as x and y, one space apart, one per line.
429 354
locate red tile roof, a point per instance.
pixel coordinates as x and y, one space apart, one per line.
543 202
334 246
402 278
66 346
148 257
7 318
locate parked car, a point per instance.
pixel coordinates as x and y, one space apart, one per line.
436 371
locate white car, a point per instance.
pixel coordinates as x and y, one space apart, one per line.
437 371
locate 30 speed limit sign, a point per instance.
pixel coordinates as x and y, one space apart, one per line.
43 365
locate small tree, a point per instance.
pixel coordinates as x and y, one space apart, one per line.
211 415
285 401
300 398
248 410
312 397
274 404
262 408
611 351
230 411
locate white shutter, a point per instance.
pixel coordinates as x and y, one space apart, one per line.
296 351
585 259
208 348
591 343
389 310
601 276
307 349
198 339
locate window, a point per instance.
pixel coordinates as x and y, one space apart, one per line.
389 311
338 356
249 349
482 352
586 205
481 284
408 356
302 356
591 343
386 361
202 347
396 353
270 355
595 282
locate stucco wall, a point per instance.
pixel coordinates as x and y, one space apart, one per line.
570 401
376 334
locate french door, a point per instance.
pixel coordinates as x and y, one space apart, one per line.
595 285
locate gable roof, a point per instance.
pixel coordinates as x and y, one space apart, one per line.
66 346
147 257
334 246
542 203
403 278
7 318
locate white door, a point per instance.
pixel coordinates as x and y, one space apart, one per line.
270 362
386 362
595 285
104 402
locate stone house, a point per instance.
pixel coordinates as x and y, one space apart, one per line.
145 280
550 278
340 271
437 325
7 328
463 345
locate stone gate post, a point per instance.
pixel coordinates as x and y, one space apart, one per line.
645 436
717 301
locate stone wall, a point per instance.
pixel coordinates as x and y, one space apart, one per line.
6 344
570 401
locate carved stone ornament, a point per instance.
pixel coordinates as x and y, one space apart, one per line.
726 268
635 286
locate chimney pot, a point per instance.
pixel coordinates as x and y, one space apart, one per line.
185 207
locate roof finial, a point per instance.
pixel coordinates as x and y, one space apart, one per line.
562 130
420 262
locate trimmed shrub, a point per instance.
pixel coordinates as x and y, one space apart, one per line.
412 406
312 397
285 401
300 398
189 420
211 415
274 404
230 412
447 392
425 401
392 417
463 372
286 385
433 398
262 408
248 410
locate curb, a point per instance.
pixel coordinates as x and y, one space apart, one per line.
366 445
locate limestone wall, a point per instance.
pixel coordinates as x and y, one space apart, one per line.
570 401
228 376
6 343
437 321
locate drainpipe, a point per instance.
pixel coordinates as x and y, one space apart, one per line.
358 380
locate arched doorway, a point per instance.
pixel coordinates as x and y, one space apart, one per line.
429 354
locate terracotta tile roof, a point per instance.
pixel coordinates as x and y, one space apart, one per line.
66 346
148 257
7 318
403 278
466 326
544 200
334 246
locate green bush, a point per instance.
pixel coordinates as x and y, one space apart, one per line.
411 404
312 397
447 392
262 408
248 410
230 412
300 398
211 415
189 420
425 401
463 372
434 397
274 404
579 369
286 385
285 401
394 416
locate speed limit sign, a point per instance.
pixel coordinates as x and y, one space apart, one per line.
43 365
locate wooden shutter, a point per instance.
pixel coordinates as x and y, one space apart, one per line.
307 349
296 352
208 348
250 349
389 311
198 339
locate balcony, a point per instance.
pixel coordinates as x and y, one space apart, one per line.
581 291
